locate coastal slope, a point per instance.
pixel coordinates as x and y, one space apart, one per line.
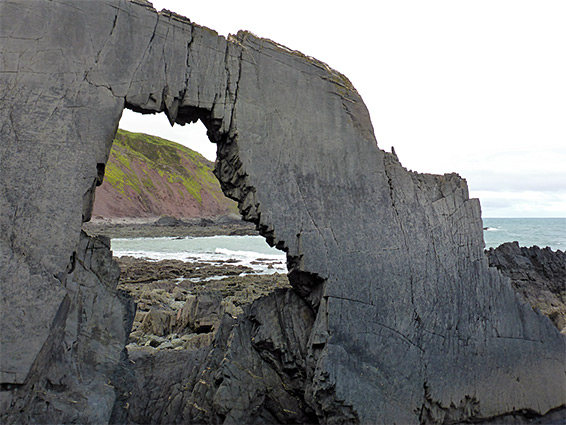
147 176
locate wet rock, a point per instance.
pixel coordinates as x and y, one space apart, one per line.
166 307
168 274
204 222
230 225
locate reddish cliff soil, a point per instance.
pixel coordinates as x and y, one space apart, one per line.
147 176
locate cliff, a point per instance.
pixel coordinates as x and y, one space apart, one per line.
147 176
395 315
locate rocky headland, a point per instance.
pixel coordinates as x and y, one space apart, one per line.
393 316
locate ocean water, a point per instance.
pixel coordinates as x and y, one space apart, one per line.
254 252
250 251
542 232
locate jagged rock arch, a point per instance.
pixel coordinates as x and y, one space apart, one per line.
409 323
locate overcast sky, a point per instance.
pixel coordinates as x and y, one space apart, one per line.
474 87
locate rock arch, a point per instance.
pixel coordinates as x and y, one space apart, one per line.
409 323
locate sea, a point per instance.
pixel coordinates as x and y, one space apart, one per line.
249 251
254 252
542 232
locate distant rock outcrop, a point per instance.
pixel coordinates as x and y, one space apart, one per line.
147 176
395 315
538 274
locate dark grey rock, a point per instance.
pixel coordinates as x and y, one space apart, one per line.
257 371
163 382
409 323
205 222
81 374
169 221
538 274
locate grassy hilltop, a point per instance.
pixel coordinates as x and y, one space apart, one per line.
147 176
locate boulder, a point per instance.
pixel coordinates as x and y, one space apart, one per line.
169 221
158 322
201 313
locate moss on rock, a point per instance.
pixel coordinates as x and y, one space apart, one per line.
150 167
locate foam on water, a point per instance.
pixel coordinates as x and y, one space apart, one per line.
249 251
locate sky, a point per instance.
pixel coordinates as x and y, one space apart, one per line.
477 88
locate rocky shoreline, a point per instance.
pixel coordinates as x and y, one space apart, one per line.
538 275
170 227
180 304
188 314
394 315
184 308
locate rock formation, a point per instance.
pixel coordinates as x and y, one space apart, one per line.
81 370
395 314
539 275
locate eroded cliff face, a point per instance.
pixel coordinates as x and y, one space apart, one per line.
402 319
81 373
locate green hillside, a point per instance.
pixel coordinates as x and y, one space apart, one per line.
150 176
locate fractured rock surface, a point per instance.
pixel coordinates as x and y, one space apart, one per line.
403 320
81 372
538 274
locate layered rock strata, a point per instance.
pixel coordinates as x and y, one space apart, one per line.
406 322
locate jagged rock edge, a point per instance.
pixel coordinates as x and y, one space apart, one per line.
235 183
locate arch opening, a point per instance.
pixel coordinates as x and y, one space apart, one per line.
186 256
